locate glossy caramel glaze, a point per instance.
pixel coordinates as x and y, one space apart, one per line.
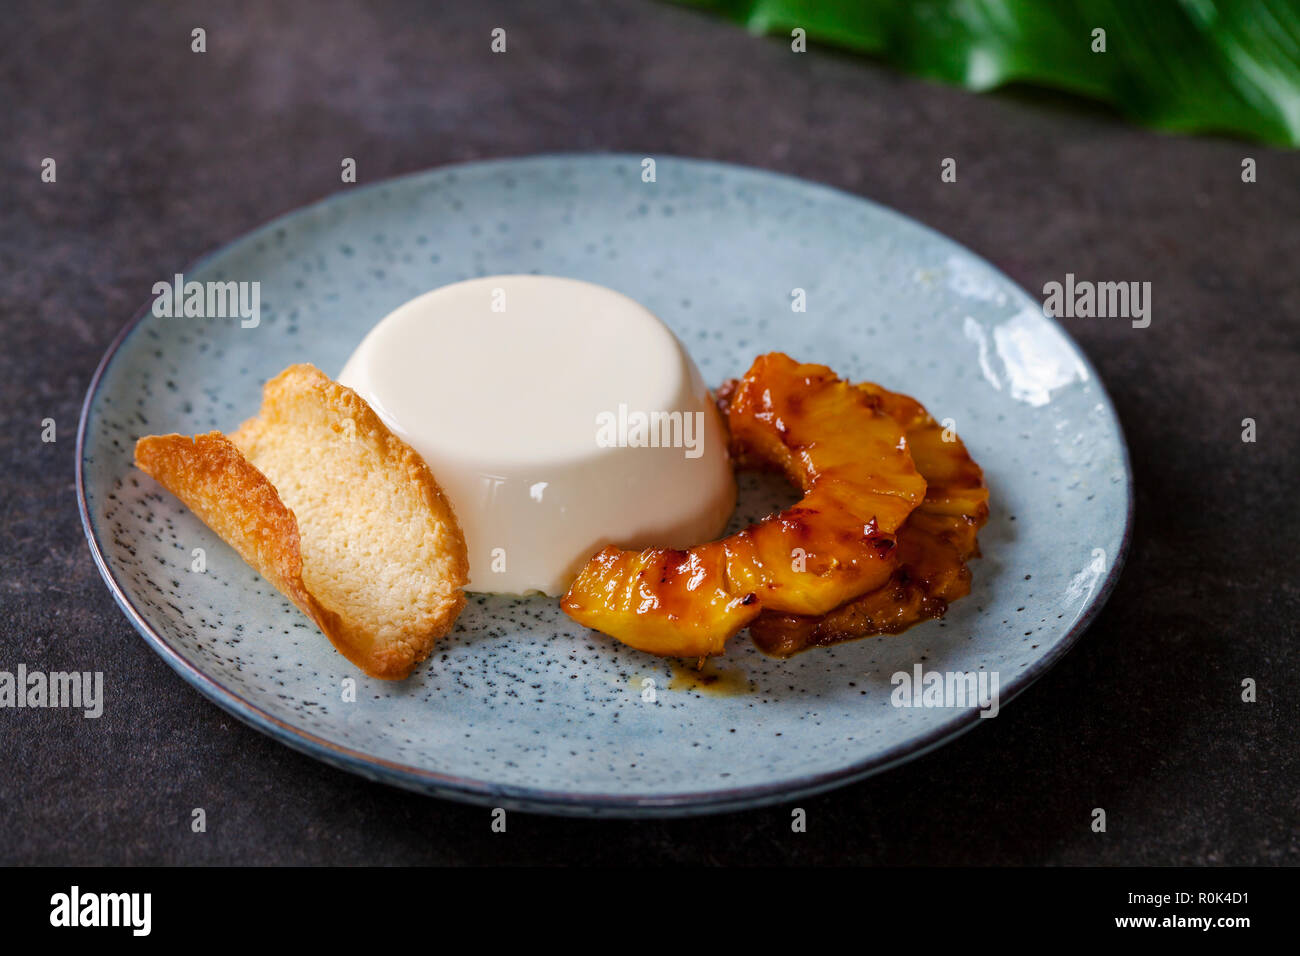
846 453
934 544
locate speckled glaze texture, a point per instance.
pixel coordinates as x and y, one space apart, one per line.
519 707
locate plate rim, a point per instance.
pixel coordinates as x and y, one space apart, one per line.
560 802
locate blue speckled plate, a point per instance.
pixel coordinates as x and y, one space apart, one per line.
519 707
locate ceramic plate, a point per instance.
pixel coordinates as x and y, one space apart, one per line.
520 707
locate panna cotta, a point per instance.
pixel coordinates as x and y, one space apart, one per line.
558 416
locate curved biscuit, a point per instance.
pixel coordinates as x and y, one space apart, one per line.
341 515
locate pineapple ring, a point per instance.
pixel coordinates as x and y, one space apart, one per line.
934 544
851 460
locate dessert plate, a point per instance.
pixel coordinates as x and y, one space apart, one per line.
519 707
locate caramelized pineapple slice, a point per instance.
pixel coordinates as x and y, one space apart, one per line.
668 602
851 460
934 544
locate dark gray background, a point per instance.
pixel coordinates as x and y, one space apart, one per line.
164 154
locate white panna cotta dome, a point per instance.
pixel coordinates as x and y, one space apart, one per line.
558 416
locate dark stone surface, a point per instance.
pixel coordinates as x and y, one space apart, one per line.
164 154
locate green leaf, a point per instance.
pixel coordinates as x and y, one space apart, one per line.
1230 66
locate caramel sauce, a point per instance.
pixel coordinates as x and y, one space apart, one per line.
711 678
